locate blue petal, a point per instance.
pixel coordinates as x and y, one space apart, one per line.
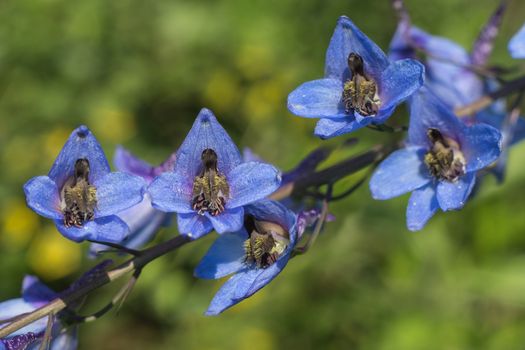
118 191
107 229
427 111
400 47
193 224
481 146
172 192
35 292
400 80
422 206
205 133
250 182
515 131
403 171
230 220
318 99
454 195
348 38
225 256
15 307
517 44
328 128
42 196
243 285
81 144
126 162
268 210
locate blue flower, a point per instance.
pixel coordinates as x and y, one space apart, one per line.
80 193
361 86
34 295
255 255
210 184
517 44
143 220
438 164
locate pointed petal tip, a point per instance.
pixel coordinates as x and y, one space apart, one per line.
206 115
82 131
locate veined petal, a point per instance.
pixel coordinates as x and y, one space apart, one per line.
206 133
106 229
481 146
117 192
172 192
318 99
250 182
400 80
454 195
225 256
81 144
42 196
403 171
427 111
517 44
328 128
422 205
348 38
230 220
193 224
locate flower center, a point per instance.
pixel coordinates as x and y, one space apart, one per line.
266 242
360 92
79 196
444 160
210 188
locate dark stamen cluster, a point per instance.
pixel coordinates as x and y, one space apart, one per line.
266 242
444 160
210 188
360 91
80 197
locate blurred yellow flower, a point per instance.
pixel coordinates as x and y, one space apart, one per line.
54 141
52 256
222 92
255 61
18 224
256 339
113 125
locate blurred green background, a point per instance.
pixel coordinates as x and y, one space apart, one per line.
138 72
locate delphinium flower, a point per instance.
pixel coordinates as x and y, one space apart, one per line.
361 85
450 74
210 184
517 44
438 163
143 220
255 254
80 193
34 295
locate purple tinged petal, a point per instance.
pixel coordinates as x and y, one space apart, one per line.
517 44
400 80
348 38
107 229
403 171
193 225
127 162
400 46
14 307
80 144
248 155
481 146
427 111
172 192
454 195
230 220
66 340
328 128
206 132
42 196
117 192
250 182
35 292
225 256
318 99
484 44
422 205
